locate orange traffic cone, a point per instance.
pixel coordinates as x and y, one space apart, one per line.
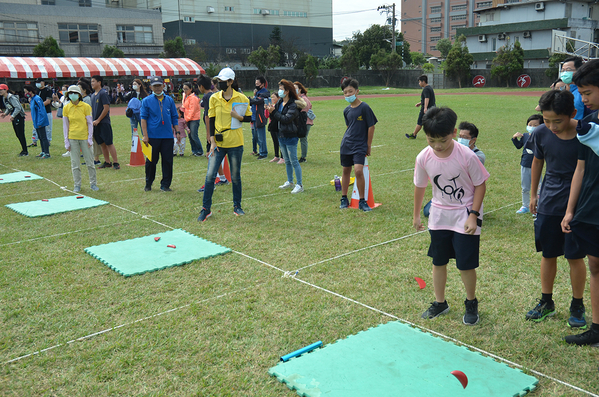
355 196
226 170
137 157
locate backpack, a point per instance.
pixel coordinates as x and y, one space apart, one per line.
302 129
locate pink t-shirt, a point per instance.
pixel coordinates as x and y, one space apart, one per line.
453 179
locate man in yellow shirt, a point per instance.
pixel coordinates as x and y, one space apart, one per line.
226 138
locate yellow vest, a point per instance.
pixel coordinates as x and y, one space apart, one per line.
220 109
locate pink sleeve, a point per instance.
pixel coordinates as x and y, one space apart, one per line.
420 175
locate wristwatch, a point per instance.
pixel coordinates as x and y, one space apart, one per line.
474 212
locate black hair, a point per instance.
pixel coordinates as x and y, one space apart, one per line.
86 87
193 87
235 85
439 122
587 74
534 117
464 125
205 81
560 102
261 79
577 61
349 83
98 78
30 88
424 78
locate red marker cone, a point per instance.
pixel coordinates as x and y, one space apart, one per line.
226 170
368 195
137 157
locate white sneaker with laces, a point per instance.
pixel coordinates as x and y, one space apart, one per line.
297 189
67 154
286 185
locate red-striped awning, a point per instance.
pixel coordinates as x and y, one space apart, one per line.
33 67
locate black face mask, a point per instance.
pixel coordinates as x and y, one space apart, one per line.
223 85
258 88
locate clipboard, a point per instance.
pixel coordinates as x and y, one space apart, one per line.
147 150
240 108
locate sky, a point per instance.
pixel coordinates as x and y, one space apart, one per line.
352 15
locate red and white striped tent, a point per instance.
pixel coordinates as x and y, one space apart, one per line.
34 67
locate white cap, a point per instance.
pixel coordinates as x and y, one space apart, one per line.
226 74
76 89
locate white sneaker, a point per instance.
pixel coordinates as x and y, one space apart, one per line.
297 189
67 154
286 185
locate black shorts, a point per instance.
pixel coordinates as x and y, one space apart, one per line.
551 241
586 237
348 160
447 244
103 133
420 116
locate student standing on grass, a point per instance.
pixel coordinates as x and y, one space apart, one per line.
17 116
159 119
102 128
225 139
522 141
45 94
303 93
78 132
259 119
555 143
459 185
40 119
582 215
191 109
356 143
427 101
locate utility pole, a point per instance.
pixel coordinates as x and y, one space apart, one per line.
390 9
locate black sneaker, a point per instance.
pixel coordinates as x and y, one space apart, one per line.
33 144
577 319
23 154
344 203
116 166
147 188
410 136
363 205
204 214
471 316
591 337
436 310
542 309
106 165
166 189
260 157
302 160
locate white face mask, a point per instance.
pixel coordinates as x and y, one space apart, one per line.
135 86
530 129
464 141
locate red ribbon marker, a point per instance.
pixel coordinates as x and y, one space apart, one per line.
79 197
27 176
44 199
461 377
156 238
420 282
171 246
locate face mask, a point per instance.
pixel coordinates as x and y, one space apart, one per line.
38 85
135 86
223 85
297 91
530 129
281 94
464 141
258 88
351 99
74 97
566 77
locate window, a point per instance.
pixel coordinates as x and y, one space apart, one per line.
259 11
458 17
18 32
134 34
460 7
494 44
436 29
484 4
229 9
490 17
435 39
434 20
454 27
189 41
517 38
48 2
295 14
511 1
433 48
85 3
74 33
435 9
189 19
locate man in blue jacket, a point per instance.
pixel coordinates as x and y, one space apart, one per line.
259 120
158 125
40 119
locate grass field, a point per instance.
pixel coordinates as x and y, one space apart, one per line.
214 327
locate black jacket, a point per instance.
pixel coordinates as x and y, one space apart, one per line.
286 118
257 103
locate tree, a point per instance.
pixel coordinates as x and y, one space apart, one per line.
508 63
174 48
349 61
276 39
265 59
458 61
330 63
444 46
110 51
417 58
48 48
428 68
371 41
387 64
311 68
196 53
554 60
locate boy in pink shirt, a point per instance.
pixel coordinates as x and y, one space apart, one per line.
458 180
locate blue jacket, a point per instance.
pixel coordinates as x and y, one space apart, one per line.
160 126
577 102
38 112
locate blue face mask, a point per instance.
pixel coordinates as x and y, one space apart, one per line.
38 85
566 77
530 129
351 99
74 97
281 94
464 141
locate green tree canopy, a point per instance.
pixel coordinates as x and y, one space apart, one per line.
444 46
265 59
387 64
458 61
372 40
174 48
418 59
311 68
48 48
349 61
508 63
330 63
110 51
428 68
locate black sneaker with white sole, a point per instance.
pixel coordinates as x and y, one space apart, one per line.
436 309
471 316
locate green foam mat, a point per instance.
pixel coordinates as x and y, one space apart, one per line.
18 177
145 254
55 205
395 359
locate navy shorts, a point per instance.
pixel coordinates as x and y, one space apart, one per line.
586 237
420 116
447 244
551 241
103 133
348 160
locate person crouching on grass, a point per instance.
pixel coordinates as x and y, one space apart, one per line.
78 132
459 185
356 142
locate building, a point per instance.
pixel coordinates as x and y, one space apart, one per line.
531 23
425 22
232 29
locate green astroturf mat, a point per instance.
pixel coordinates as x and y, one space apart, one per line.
56 205
18 177
395 359
146 254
